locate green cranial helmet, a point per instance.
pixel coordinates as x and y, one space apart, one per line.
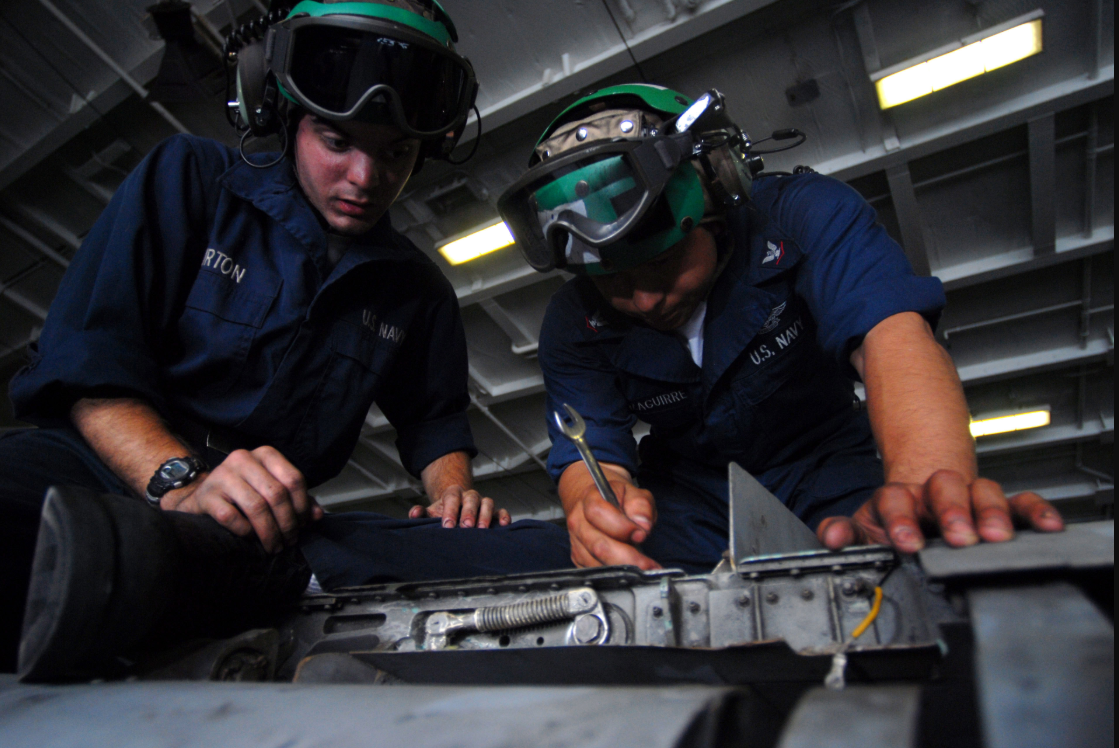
379 60
615 180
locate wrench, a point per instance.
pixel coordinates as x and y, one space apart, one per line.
575 431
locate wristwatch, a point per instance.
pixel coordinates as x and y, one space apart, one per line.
175 473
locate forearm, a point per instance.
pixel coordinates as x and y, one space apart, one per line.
129 436
452 469
915 401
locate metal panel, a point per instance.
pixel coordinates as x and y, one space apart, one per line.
857 717
264 716
759 523
1081 546
1045 666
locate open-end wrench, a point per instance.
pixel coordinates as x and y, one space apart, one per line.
575 431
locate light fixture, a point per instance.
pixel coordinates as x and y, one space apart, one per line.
970 57
475 244
1005 422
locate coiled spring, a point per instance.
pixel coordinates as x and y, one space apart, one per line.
518 615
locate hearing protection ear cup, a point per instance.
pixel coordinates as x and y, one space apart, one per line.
252 83
732 174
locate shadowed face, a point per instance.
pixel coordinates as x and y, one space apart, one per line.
665 291
351 172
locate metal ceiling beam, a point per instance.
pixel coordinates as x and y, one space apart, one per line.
108 60
1016 261
645 45
523 340
1043 182
909 218
980 123
50 224
868 46
507 431
34 242
1048 436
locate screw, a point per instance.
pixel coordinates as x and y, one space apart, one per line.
807 594
743 600
771 597
657 611
693 606
794 572
848 588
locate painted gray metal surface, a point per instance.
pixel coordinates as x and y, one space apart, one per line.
1045 667
1081 546
185 715
811 601
760 525
856 717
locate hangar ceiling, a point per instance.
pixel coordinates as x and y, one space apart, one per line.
1001 186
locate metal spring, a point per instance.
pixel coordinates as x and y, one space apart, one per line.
519 615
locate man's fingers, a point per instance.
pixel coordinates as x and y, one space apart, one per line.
589 547
839 532
227 515
898 515
638 505
259 514
1037 511
950 501
471 506
262 483
417 512
992 511
289 477
452 505
503 517
485 513
610 521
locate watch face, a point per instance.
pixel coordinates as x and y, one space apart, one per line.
175 470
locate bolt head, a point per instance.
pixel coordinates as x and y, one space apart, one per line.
694 607
743 601
658 611
587 629
582 134
626 126
807 594
771 597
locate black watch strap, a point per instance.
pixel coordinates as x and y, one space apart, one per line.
175 473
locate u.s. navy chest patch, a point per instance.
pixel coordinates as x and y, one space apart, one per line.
383 330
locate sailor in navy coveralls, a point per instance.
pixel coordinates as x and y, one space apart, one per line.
225 327
733 315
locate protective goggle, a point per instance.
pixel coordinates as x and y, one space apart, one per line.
594 195
335 66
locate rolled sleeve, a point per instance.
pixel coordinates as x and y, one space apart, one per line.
580 375
853 275
426 397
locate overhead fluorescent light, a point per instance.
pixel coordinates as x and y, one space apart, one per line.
970 57
1005 423
475 244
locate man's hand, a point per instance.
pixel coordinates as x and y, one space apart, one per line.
258 491
459 507
600 534
964 513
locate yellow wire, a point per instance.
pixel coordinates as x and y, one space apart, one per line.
877 606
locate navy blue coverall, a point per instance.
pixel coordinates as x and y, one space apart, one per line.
811 272
205 289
